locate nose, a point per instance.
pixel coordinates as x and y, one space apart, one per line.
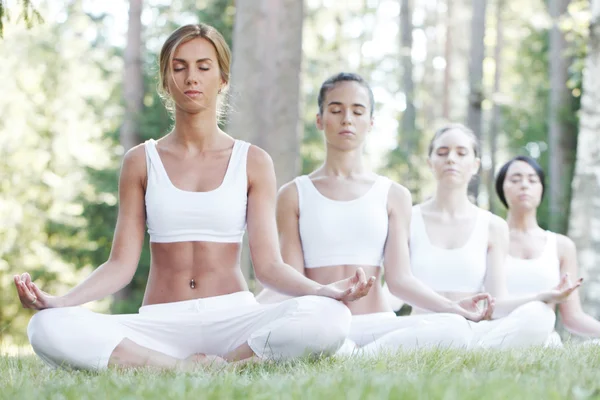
191 78
451 156
347 117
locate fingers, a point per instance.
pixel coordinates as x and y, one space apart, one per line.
481 296
360 276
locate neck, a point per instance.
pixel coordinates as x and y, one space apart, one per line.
344 164
451 200
522 220
196 131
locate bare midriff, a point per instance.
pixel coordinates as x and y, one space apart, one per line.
190 270
375 301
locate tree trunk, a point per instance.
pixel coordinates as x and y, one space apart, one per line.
448 58
476 95
495 122
133 95
133 78
584 227
560 135
267 58
408 124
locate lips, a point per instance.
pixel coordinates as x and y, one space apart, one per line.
192 93
346 133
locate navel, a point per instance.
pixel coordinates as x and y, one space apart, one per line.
192 284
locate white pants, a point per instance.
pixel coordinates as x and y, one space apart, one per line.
372 334
528 325
78 338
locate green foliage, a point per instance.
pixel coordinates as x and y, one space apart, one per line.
525 120
28 14
50 132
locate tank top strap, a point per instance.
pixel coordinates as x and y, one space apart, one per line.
382 188
154 166
551 248
303 187
417 224
237 167
481 232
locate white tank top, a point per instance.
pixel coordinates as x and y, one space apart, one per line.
450 270
531 276
175 215
342 232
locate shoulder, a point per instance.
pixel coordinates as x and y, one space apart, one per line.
498 228
134 161
288 193
259 158
399 194
565 245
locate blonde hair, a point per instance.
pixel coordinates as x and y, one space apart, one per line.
185 34
459 127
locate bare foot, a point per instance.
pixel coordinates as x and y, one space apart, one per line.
199 360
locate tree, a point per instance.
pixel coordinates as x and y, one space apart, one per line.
267 59
562 133
476 95
584 224
496 110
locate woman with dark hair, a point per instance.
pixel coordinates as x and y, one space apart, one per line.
537 258
343 217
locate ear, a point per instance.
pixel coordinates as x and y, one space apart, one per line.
371 124
319 122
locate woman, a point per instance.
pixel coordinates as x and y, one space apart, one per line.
458 249
537 258
196 299
343 217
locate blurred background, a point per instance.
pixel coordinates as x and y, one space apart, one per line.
78 88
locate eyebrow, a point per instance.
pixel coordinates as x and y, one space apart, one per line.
447 147
339 103
181 60
521 174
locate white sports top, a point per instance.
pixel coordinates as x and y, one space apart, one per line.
175 215
528 276
336 232
450 270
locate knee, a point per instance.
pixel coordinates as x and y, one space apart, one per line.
44 330
326 323
536 320
457 330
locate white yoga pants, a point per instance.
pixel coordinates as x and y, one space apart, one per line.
75 337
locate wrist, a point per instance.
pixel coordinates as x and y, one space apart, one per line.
544 297
317 290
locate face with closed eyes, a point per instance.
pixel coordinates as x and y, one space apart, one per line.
522 187
452 159
195 78
346 117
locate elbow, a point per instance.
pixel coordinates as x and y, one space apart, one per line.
397 287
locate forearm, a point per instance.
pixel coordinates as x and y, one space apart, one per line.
506 305
417 294
268 296
583 325
282 278
104 281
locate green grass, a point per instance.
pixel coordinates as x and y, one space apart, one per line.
572 372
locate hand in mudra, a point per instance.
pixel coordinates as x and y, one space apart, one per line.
31 296
472 308
562 291
349 289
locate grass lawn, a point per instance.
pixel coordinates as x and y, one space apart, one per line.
572 372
